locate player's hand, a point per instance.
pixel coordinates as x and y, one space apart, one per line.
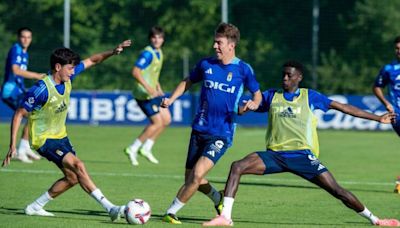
389 108
250 105
121 46
166 102
388 118
8 157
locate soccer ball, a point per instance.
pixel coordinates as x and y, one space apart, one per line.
137 211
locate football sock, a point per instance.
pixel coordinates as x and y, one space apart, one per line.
175 206
99 197
41 201
23 143
148 144
214 195
227 209
367 214
135 145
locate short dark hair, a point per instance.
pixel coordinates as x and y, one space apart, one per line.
22 29
156 30
396 40
229 31
296 64
63 56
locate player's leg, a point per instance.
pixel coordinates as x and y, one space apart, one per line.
327 181
251 164
74 164
60 186
24 148
192 183
144 142
396 128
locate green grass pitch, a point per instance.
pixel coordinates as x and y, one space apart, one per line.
366 163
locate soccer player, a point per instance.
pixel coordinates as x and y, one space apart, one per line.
13 87
148 94
389 76
47 104
292 143
223 79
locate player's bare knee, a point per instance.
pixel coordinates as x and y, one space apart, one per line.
72 179
80 169
237 167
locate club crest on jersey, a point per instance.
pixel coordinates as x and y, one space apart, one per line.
229 77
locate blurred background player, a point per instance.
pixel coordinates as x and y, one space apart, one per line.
47 105
13 88
148 94
390 75
292 144
223 79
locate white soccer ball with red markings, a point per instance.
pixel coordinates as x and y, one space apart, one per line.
137 211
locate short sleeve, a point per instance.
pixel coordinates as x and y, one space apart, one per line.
266 100
16 55
318 101
250 79
383 77
77 70
144 60
36 97
196 74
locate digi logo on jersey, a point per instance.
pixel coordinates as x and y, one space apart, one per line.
219 86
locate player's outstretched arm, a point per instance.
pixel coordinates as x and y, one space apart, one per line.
184 85
354 111
379 94
100 57
26 74
252 104
16 122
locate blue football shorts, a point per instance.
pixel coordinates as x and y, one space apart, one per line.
150 107
302 163
210 146
396 125
56 149
12 95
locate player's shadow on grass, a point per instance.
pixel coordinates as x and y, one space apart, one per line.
249 183
182 218
58 213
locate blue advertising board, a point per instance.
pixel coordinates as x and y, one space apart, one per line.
93 107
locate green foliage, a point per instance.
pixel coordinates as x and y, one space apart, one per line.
355 37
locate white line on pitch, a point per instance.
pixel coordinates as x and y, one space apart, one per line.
33 171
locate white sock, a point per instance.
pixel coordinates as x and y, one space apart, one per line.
175 206
135 146
368 215
148 144
23 144
227 209
99 197
41 201
214 195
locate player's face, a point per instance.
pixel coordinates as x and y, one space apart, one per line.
25 39
290 79
397 50
157 41
65 71
223 47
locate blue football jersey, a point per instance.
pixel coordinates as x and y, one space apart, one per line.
389 76
222 87
16 55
